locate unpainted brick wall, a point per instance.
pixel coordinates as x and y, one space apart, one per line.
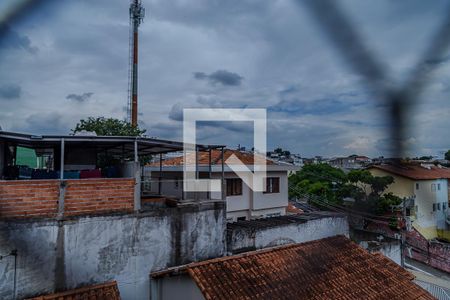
29 198
39 198
84 196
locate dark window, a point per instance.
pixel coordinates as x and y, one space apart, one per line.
417 186
241 218
434 206
272 185
234 187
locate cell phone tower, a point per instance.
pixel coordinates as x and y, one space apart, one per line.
137 13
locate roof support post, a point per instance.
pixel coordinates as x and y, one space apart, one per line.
160 174
209 172
197 173
222 156
62 184
61 169
137 178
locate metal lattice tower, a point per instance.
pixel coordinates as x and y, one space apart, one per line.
137 13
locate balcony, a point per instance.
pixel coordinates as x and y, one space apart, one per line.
77 175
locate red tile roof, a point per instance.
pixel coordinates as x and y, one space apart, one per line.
331 268
292 209
416 171
216 158
104 291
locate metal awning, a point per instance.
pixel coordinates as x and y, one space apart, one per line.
112 144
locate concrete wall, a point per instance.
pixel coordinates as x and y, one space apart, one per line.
176 287
250 238
375 242
87 250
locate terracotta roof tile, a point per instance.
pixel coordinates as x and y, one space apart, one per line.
104 291
416 171
331 268
216 158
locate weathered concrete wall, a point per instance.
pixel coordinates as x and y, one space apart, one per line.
376 242
125 248
176 287
240 239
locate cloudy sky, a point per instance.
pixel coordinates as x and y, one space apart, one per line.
70 61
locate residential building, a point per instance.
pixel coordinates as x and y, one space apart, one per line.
330 268
351 162
242 202
428 186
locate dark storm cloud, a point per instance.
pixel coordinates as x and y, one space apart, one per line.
10 92
223 77
291 102
11 39
49 123
79 97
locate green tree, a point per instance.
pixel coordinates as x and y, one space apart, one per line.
447 155
320 180
364 180
386 201
108 126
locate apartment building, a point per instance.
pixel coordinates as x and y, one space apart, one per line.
428 185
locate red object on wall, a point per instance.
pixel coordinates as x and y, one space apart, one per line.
96 173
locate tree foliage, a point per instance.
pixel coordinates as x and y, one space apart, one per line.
321 180
332 185
447 155
108 126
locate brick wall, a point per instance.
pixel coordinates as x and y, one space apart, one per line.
84 196
39 198
29 198
433 253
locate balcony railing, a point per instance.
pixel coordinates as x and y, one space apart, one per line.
173 189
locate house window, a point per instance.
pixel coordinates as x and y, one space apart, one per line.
234 187
439 186
434 206
272 185
417 185
438 206
444 206
433 187
241 218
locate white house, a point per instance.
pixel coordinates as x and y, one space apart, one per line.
428 185
242 202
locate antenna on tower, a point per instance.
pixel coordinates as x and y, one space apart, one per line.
137 13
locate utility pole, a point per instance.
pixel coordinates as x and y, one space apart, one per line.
403 228
137 13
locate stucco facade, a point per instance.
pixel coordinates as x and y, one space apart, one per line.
247 205
431 199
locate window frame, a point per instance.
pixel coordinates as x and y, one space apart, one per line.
234 187
272 185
